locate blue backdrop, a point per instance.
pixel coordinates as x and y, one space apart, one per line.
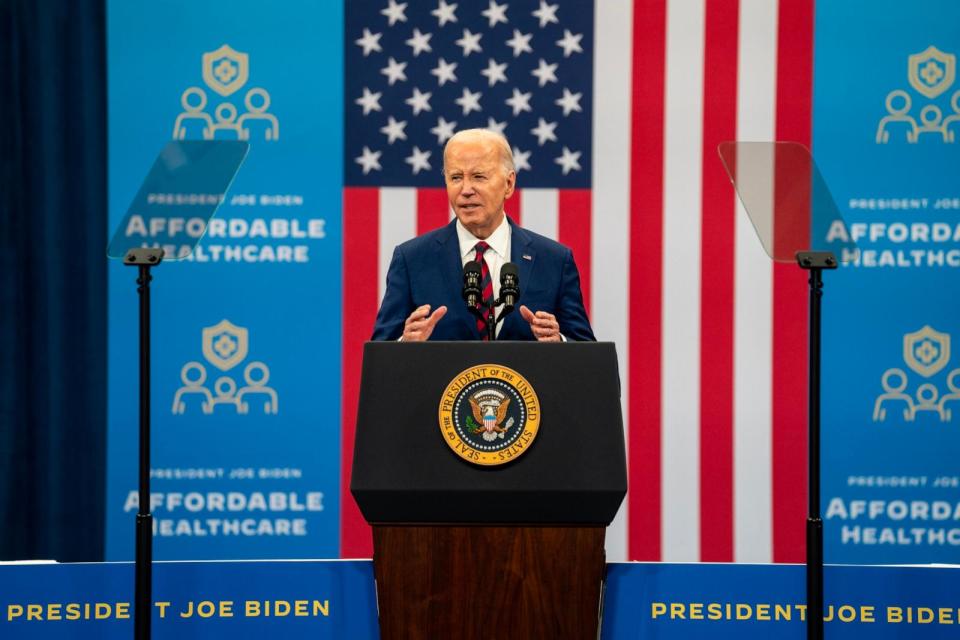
246 379
883 100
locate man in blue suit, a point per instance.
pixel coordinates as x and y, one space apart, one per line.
427 272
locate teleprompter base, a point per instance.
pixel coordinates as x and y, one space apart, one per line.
487 582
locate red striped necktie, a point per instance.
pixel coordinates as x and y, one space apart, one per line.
486 285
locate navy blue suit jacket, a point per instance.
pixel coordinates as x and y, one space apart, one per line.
429 270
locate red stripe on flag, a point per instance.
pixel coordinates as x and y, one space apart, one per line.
794 98
573 222
646 279
716 292
361 212
512 206
433 209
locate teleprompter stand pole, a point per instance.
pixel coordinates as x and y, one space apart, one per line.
814 262
144 259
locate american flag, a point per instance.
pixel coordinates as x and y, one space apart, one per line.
616 151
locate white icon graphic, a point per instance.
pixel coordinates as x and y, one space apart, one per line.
925 352
930 73
225 71
225 345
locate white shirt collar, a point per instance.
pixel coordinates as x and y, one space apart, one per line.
499 240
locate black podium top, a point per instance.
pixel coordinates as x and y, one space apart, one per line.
574 471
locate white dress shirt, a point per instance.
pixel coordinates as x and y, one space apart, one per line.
495 256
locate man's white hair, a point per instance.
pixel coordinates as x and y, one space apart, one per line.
500 140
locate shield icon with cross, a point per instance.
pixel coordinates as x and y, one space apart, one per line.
225 344
926 351
225 70
931 72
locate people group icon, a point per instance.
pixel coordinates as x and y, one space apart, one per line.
193 392
931 73
931 121
195 122
926 398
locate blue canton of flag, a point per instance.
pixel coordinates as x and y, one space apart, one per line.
416 72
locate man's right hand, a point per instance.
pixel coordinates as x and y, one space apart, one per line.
420 323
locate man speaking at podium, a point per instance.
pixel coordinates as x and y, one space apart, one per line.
425 282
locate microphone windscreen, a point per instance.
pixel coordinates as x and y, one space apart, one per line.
471 267
509 269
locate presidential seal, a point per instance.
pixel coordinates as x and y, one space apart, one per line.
489 414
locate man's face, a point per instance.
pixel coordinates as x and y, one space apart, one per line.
477 184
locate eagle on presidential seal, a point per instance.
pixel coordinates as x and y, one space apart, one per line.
489 412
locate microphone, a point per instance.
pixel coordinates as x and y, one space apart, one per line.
471 284
509 287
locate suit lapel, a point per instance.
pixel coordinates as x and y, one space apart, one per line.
523 255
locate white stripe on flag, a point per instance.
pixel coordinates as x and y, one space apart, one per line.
398 223
610 221
753 287
683 129
539 208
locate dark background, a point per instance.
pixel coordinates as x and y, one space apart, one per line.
53 213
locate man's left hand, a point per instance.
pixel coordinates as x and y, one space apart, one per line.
544 325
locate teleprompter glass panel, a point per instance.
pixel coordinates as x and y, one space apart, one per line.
187 183
787 199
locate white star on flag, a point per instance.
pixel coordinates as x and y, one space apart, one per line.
469 100
394 130
394 71
470 42
520 43
521 159
545 72
569 160
569 102
369 101
547 13
570 43
544 131
420 42
519 101
445 13
369 42
370 160
496 127
444 130
400 107
395 12
444 71
496 13
418 160
495 72
419 101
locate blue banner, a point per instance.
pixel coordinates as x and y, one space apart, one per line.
886 123
747 602
246 350
333 599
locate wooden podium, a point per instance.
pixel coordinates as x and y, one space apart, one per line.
489 552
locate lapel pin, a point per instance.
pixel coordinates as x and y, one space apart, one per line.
527 256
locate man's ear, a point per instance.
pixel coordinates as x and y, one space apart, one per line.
511 183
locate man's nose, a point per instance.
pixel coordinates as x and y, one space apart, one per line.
467 188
